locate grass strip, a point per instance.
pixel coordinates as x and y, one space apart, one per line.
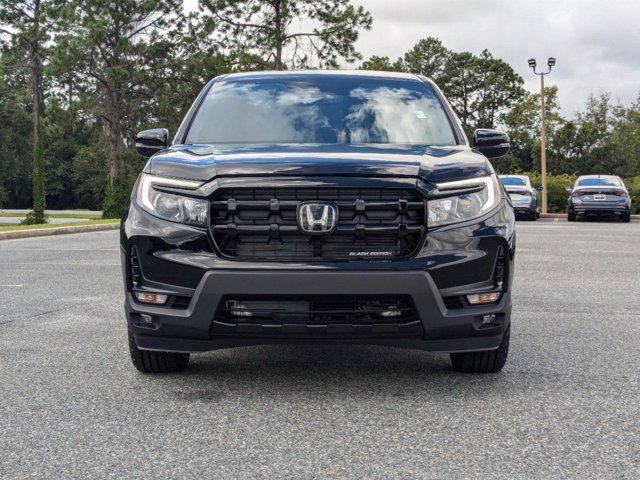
5 227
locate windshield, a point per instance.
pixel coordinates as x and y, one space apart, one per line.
513 181
599 182
321 110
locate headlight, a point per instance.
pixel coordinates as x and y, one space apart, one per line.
176 208
464 206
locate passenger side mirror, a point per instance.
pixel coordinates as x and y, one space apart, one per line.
629 188
539 188
491 143
152 141
568 189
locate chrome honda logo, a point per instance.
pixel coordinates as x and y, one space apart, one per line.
317 217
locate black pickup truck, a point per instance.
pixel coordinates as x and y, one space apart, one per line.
319 206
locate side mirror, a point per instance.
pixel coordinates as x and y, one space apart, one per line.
152 141
629 188
491 143
568 189
539 188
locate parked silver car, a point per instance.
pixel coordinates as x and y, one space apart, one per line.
599 195
524 197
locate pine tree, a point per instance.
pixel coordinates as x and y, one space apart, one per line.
264 27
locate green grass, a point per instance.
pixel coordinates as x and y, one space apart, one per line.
88 216
7 227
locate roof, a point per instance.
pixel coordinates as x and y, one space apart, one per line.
598 176
309 73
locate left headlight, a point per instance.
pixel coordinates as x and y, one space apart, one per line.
170 206
476 197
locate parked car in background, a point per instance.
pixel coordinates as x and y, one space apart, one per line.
599 195
523 196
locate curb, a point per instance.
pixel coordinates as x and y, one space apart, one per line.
41 232
564 215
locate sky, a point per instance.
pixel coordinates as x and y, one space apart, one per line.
596 42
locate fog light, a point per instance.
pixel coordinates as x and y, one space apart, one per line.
156 298
480 298
391 312
490 319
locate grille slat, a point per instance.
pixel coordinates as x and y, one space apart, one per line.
341 230
372 224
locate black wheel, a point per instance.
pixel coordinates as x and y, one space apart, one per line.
487 361
571 217
148 361
533 216
626 218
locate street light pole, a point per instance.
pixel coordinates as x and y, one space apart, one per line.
543 132
543 147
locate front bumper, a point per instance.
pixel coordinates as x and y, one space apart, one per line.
453 261
191 330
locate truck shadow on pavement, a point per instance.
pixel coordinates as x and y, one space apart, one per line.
321 371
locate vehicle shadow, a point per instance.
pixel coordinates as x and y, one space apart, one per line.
323 371
598 219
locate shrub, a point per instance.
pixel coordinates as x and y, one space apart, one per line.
117 196
557 196
634 183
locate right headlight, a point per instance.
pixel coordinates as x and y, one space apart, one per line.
170 206
483 195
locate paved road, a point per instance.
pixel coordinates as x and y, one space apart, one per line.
567 404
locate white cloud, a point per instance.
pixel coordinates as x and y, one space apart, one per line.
597 43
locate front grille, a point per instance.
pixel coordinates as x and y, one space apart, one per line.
385 224
305 316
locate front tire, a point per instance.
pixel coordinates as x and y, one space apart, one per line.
486 361
147 361
626 218
571 217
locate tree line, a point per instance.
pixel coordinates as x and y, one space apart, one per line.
78 79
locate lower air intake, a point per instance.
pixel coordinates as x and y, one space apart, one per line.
369 316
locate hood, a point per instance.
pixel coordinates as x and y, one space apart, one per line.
205 162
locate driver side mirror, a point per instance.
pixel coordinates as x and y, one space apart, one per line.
539 188
491 143
568 189
149 142
629 188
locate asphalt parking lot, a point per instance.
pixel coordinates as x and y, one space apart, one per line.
567 404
